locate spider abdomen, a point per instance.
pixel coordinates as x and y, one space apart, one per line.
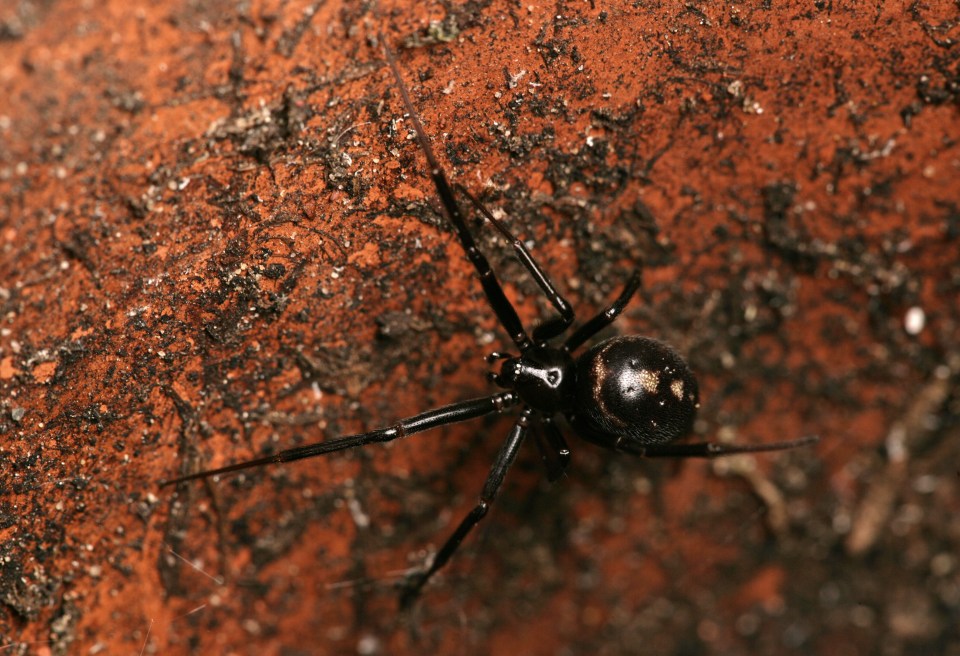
633 388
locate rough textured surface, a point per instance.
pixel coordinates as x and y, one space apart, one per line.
217 240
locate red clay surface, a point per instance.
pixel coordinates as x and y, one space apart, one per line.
217 240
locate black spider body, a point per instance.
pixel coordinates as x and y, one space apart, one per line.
633 394
624 388
633 388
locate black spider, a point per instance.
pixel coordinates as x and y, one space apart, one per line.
632 394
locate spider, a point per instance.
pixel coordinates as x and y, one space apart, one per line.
633 394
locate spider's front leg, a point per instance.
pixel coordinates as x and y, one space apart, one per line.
504 310
506 313
552 327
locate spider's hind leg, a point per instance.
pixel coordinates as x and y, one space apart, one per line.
506 456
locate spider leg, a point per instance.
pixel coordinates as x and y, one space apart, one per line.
508 453
448 414
552 327
605 318
501 306
707 449
553 448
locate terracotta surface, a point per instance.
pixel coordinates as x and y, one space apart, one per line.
217 240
